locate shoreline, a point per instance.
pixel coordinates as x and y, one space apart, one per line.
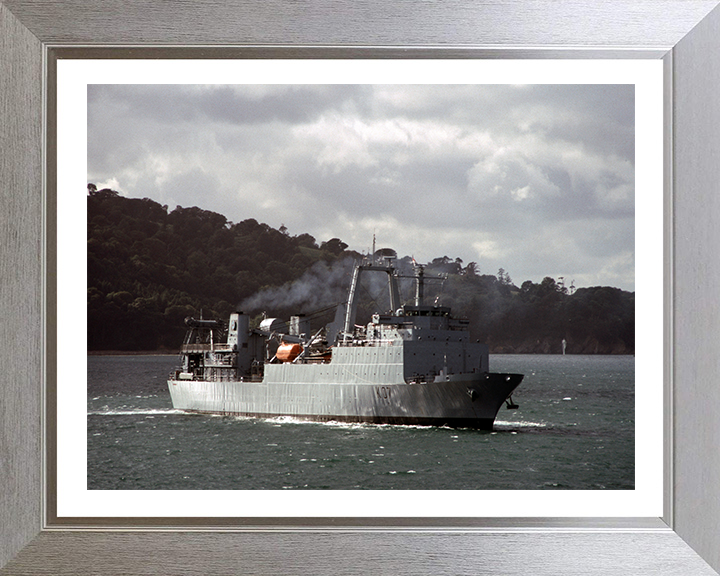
176 353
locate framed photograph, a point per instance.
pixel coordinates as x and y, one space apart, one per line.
338 139
666 524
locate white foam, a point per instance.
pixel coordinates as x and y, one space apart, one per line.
523 424
134 412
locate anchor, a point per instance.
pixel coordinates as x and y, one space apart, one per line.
510 404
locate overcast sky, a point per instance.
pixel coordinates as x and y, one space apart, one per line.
538 180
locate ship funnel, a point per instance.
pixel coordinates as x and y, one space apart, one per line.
238 329
299 325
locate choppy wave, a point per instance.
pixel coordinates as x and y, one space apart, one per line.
142 412
523 424
586 443
279 420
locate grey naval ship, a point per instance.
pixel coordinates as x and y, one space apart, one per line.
413 365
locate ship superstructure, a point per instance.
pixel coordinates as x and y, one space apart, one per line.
414 364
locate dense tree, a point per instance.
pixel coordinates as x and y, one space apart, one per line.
149 268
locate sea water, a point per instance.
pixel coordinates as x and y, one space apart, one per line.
573 430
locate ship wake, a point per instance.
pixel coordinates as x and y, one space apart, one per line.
141 412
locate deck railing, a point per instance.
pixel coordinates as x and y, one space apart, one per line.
198 348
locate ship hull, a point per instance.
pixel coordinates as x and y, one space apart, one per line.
461 400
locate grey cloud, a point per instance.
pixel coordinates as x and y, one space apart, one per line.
187 104
496 174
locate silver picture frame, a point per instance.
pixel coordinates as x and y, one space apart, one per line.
684 34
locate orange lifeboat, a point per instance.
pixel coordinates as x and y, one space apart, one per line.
288 352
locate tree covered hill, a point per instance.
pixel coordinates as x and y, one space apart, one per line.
149 268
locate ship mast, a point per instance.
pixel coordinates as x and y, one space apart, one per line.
419 285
